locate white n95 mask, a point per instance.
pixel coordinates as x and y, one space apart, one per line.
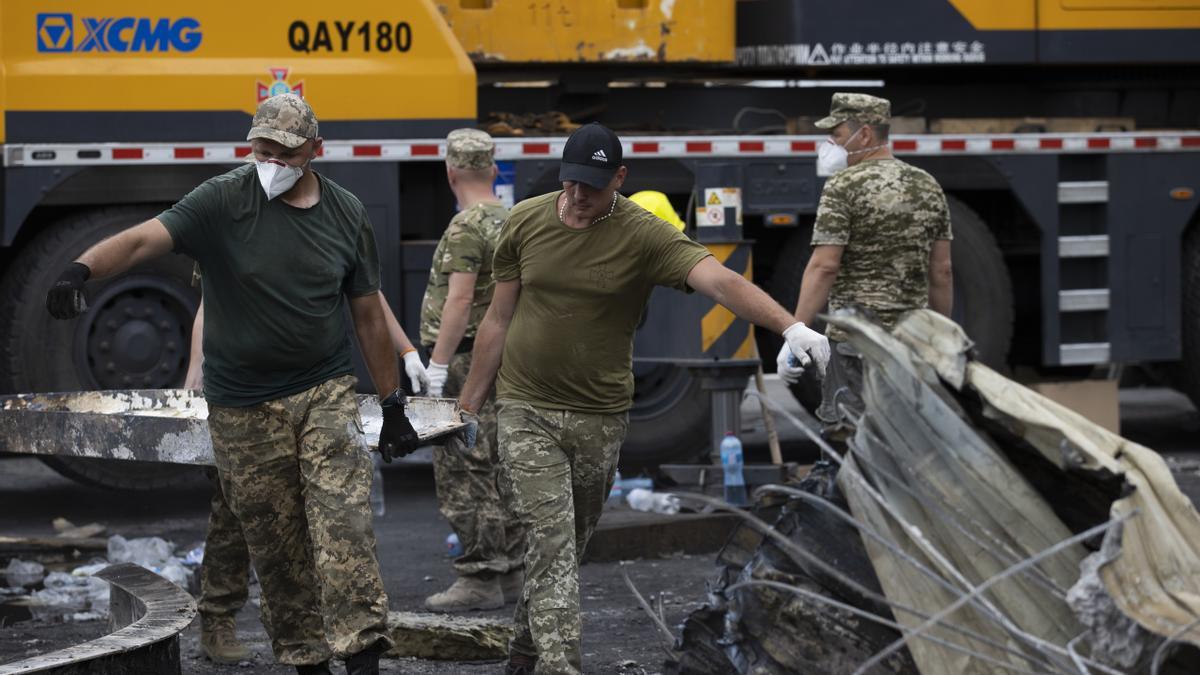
831 158
276 177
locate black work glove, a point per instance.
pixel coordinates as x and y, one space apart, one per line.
470 433
397 438
65 299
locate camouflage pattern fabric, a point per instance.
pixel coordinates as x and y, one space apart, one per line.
560 464
860 108
886 214
473 494
225 573
467 245
841 390
296 472
470 149
286 119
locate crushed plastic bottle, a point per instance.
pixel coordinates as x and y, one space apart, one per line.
147 552
67 595
194 557
22 573
641 499
453 545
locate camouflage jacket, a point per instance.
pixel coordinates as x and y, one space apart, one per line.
886 214
467 245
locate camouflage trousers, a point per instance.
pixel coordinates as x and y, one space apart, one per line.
297 474
472 494
841 390
560 464
225 573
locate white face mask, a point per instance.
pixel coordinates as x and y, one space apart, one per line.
277 178
832 156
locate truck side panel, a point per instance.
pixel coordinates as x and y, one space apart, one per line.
1146 227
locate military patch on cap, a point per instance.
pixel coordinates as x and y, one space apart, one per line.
861 108
285 119
470 149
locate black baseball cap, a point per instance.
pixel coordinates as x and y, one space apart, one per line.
592 155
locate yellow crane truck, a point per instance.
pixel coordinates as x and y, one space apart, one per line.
1064 132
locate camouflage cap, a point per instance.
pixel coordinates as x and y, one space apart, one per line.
861 108
469 149
285 119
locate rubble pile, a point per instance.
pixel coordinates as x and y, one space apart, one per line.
970 526
73 593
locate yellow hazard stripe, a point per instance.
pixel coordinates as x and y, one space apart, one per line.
749 349
718 319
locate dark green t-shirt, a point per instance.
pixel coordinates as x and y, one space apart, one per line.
275 284
583 291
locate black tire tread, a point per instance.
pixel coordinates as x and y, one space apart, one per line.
20 300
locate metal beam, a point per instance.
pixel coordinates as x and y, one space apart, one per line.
146 615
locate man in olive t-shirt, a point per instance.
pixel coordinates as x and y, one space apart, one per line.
284 253
574 270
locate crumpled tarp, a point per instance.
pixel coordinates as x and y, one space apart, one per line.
971 526
970 508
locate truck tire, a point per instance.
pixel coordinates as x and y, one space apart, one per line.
135 333
669 421
983 302
1190 380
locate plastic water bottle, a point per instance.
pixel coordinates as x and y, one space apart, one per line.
453 545
617 494
377 505
731 459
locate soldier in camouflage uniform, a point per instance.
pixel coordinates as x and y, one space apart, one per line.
469 485
225 572
881 243
286 252
574 271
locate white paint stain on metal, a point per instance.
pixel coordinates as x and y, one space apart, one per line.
639 51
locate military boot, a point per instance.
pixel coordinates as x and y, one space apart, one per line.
467 593
511 585
520 664
219 642
366 662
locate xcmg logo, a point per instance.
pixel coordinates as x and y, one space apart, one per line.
56 33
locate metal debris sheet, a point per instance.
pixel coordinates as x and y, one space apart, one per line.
160 425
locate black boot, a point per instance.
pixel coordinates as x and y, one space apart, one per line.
314 669
366 662
520 664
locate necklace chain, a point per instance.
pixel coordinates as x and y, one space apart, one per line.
562 210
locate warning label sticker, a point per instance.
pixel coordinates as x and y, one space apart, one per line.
716 200
864 53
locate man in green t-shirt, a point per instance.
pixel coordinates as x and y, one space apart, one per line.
881 242
574 270
284 252
456 298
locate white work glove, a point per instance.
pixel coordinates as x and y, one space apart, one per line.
416 372
808 346
788 366
437 378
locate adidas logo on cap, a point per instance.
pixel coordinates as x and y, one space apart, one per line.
599 156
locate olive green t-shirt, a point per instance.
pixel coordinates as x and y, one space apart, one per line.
583 291
275 284
467 246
